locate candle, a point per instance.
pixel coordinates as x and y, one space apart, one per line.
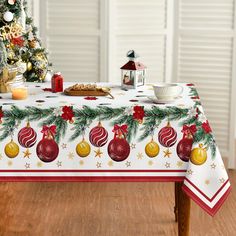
20 93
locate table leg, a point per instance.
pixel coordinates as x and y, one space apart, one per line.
176 202
183 209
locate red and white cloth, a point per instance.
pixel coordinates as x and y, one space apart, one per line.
207 184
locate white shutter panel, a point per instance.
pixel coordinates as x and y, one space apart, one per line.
73 38
204 44
140 25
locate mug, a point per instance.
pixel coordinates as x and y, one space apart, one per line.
167 91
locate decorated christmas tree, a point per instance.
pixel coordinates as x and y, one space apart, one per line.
19 45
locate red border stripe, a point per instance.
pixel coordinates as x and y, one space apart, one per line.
204 195
210 211
82 171
92 179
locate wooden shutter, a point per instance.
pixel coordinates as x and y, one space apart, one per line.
72 35
140 25
204 56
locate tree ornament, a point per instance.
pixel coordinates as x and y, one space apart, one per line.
8 16
83 148
198 155
32 43
152 149
1 115
138 114
11 2
47 149
184 146
27 137
98 136
167 136
119 148
29 66
12 149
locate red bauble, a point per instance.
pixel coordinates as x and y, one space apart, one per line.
184 148
27 137
98 136
118 149
167 136
47 150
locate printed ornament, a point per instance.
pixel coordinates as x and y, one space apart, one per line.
167 136
98 136
118 148
198 155
152 149
184 146
12 149
83 148
27 137
47 149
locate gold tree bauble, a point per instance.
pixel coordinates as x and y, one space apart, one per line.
33 43
29 66
198 155
12 149
152 149
83 149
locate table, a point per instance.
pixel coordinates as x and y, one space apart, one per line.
53 137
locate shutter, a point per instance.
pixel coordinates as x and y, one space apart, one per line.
73 37
140 25
204 56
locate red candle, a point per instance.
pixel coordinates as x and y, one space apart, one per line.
57 83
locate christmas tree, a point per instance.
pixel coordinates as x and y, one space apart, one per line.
19 45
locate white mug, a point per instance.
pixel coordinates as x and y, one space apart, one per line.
167 91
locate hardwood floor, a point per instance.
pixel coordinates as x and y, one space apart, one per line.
104 209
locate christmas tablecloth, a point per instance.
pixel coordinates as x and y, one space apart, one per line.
53 137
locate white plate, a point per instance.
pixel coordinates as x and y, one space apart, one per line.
161 101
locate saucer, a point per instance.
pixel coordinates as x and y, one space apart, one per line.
162 101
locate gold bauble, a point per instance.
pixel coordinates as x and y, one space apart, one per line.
83 149
12 149
152 149
198 155
29 66
32 43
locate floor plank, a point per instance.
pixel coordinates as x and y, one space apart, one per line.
45 209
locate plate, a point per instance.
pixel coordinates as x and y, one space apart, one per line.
162 101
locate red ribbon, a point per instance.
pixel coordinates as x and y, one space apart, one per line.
120 130
189 129
49 130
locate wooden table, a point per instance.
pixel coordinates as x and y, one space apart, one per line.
182 210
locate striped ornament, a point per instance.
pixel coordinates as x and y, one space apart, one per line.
98 136
27 137
167 136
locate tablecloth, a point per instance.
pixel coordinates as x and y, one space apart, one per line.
53 137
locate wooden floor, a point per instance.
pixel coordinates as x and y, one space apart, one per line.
107 209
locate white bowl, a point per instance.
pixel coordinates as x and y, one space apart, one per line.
167 91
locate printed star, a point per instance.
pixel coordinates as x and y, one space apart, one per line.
27 165
213 166
167 153
99 164
133 146
81 163
179 163
9 163
64 146
128 163
39 164
207 181
39 104
190 172
140 156
110 163
98 153
27 153
59 164
222 180
150 163
71 155
167 165
1 157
